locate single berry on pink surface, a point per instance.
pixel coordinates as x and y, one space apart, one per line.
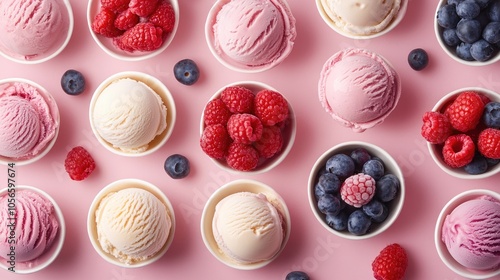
238 99
270 107
244 128
458 150
79 164
357 190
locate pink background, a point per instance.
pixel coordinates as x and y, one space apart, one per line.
311 248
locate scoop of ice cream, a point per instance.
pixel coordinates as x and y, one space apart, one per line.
248 228
35 228
358 88
133 225
471 233
361 17
128 114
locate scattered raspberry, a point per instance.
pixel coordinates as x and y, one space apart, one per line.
215 141
238 99
391 263
458 150
143 8
270 107
164 17
436 127
242 157
357 190
79 163
216 112
104 24
270 143
466 111
488 143
244 128
126 20
115 5
141 37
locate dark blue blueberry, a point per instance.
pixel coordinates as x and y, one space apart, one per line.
450 37
491 115
358 222
337 222
297 275
468 9
483 3
376 210
318 191
482 50
73 82
360 156
478 165
483 18
491 32
387 187
418 59
456 2
447 16
469 30
341 165
494 11
330 183
186 72
177 166
463 51
329 204
492 162
374 168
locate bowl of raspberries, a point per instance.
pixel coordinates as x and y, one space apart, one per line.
463 133
133 30
247 126
356 190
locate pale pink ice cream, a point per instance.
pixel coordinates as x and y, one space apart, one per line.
30 28
28 120
248 228
471 233
358 88
36 225
253 33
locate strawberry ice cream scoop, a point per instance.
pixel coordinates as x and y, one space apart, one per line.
358 190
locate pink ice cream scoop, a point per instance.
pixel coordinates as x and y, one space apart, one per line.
358 88
471 233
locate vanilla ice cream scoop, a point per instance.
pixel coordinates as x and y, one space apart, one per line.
248 228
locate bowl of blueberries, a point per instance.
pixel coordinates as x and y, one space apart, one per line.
356 190
469 30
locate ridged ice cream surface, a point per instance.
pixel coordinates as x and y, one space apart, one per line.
133 225
248 228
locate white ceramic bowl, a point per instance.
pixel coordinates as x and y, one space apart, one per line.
117 186
107 45
395 206
326 18
436 150
450 51
288 132
52 253
443 253
241 185
51 103
55 50
160 89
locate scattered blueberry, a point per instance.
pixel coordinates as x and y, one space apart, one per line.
468 9
450 37
186 72
494 11
73 82
374 168
358 222
387 187
491 115
376 210
447 16
337 222
418 59
469 30
360 156
478 165
329 204
463 51
481 50
297 275
491 32
329 182
341 165
177 166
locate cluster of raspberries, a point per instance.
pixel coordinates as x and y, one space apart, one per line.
244 128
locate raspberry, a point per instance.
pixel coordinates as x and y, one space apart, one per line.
215 141
458 150
143 8
164 17
270 107
270 143
115 5
242 157
141 37
126 20
466 111
244 128
436 127
104 24
488 143
79 163
216 112
391 263
238 99
357 190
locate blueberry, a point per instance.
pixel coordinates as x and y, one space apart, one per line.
463 51
186 72
482 3
341 165
478 165
177 166
450 37
330 183
329 204
297 275
492 161
447 16
482 50
469 30
483 18
376 210
491 32
73 82
456 2
491 115
337 222
418 59
360 156
358 222
374 168
318 191
387 187
494 11
468 9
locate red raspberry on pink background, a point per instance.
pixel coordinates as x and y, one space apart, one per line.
244 128
270 143
79 164
242 157
436 127
215 141
143 8
270 107
458 150
216 112
238 99
164 17
466 111
488 143
357 190
104 24
141 37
